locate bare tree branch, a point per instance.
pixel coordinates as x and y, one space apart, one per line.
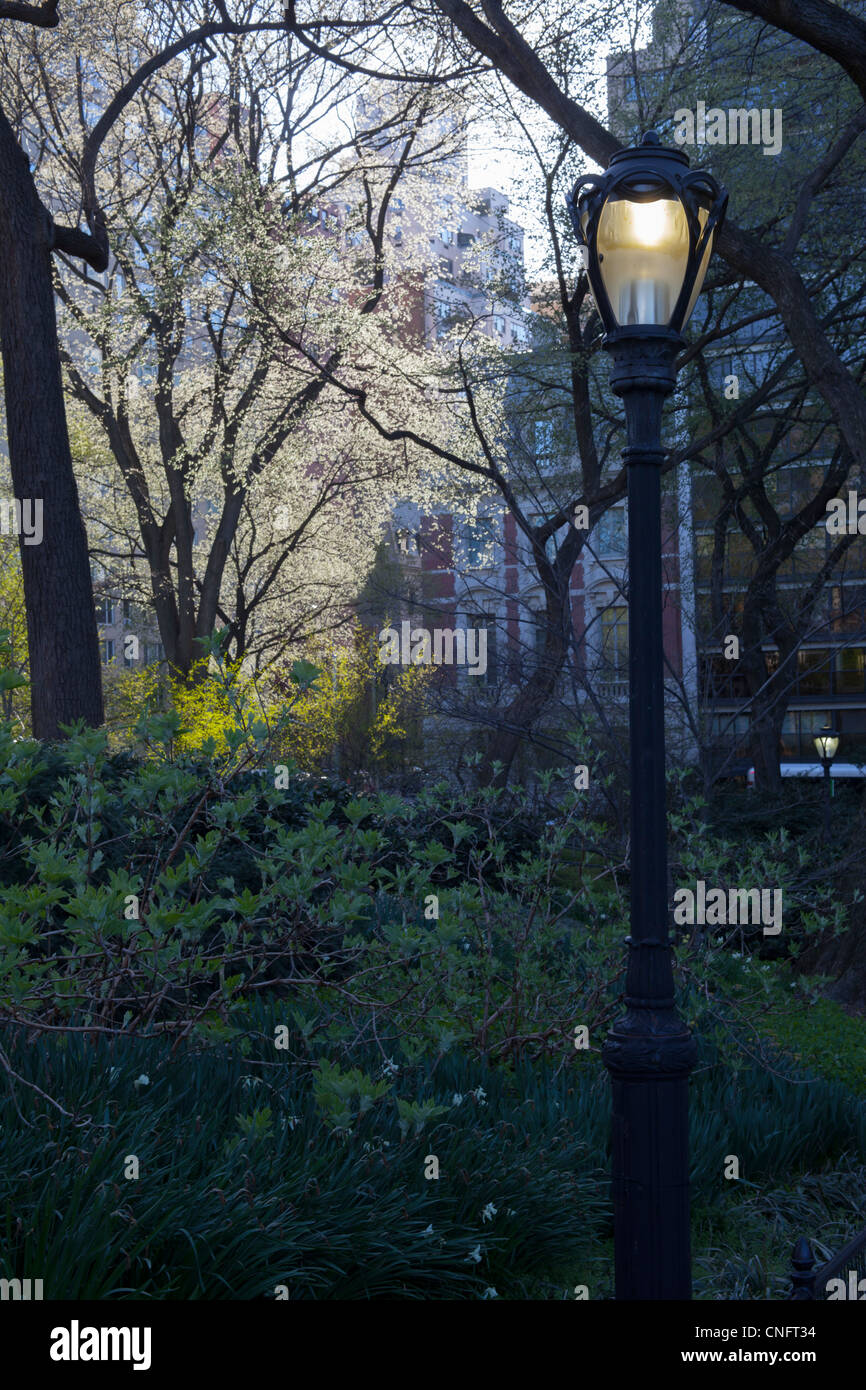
43 16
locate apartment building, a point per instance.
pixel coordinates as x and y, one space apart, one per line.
474 567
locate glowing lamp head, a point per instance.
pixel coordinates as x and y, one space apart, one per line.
648 227
827 743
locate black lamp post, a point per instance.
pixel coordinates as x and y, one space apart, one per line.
826 743
648 226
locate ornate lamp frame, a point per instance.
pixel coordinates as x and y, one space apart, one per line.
643 174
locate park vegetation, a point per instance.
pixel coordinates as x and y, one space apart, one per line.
330 950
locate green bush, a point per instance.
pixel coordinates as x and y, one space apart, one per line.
161 893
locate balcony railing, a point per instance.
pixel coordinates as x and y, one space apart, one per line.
607 689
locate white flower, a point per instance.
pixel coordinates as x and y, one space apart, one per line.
142 1080
479 1093
490 1293
474 1256
428 1231
292 1120
456 1099
488 1212
389 1068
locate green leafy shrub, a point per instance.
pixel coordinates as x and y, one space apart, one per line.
161 892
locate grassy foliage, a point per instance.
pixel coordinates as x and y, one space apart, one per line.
743 1250
246 1184
257 1172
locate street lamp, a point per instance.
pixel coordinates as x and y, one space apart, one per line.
826 745
647 227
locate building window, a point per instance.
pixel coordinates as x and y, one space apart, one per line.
630 88
610 533
850 671
105 610
813 671
751 367
721 680
486 623
614 640
477 542
446 235
543 439
106 651
732 730
499 324
407 542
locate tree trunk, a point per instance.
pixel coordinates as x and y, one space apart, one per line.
844 959
65 673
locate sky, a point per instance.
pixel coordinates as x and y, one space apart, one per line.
499 159
508 166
